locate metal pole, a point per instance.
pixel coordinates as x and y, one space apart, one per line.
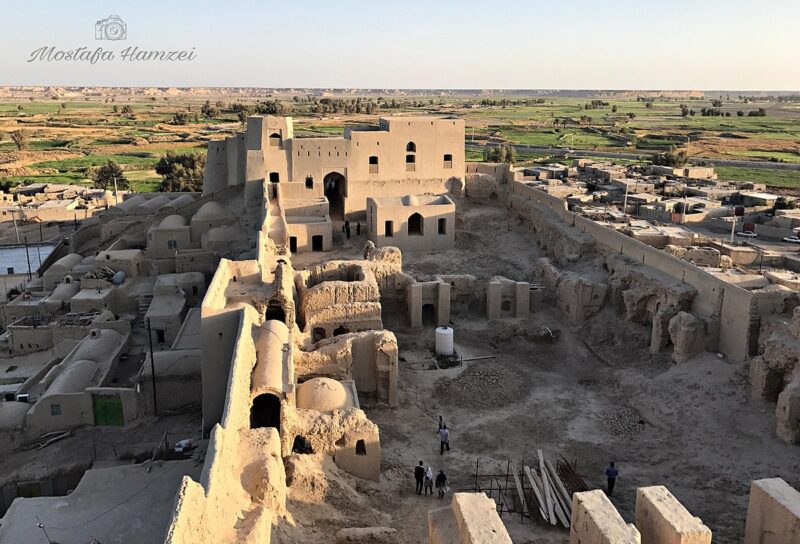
761 262
625 200
116 197
733 226
28 258
41 236
152 368
683 221
16 230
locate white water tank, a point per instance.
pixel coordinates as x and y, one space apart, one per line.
444 341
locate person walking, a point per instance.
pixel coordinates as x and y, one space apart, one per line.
428 481
358 228
444 438
611 474
347 228
441 484
419 476
441 424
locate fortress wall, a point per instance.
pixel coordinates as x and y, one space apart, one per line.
715 297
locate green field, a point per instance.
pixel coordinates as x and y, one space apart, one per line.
771 176
91 130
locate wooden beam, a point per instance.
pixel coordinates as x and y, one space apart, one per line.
537 492
548 498
519 488
560 486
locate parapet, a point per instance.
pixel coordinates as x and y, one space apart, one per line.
596 521
773 514
470 519
662 519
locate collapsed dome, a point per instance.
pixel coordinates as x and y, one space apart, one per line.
322 395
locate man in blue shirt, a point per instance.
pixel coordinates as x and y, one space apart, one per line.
611 473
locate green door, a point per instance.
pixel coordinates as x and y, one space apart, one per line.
108 410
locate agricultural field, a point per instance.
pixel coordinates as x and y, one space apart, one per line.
70 135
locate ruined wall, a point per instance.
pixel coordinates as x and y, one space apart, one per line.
661 519
773 513
716 299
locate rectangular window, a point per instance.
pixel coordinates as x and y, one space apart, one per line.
389 229
55 409
448 161
442 226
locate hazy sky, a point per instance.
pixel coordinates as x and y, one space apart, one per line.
498 44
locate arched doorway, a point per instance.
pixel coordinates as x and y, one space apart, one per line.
415 224
265 412
275 311
334 191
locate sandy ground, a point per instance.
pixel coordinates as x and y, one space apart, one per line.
690 427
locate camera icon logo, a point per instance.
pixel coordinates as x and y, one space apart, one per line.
111 28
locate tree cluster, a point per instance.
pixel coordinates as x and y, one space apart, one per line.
672 157
500 153
105 176
181 172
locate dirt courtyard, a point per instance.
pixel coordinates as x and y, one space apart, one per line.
594 394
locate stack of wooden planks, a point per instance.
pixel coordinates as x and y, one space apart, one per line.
554 502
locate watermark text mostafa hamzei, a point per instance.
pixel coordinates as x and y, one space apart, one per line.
99 54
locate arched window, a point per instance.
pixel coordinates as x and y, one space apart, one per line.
411 147
275 140
415 223
361 447
309 182
172 244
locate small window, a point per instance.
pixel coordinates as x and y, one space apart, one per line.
410 159
506 306
442 226
55 409
373 165
448 161
309 182
275 140
361 447
274 177
172 244
389 229
411 147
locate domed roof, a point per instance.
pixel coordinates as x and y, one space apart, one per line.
410 200
68 261
323 395
173 222
229 233
213 210
181 201
132 202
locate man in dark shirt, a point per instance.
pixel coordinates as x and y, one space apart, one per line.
611 473
419 476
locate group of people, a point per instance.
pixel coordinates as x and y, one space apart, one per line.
424 478
346 228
